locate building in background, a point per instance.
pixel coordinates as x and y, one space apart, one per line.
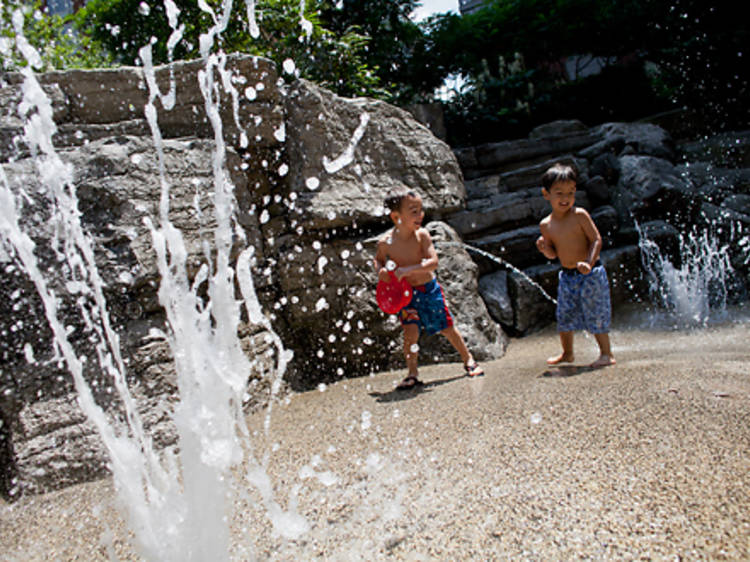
62 7
469 6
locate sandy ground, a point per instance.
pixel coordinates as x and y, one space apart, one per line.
646 459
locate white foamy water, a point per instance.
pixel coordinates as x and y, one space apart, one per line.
176 502
696 291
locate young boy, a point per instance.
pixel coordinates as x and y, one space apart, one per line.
568 233
408 248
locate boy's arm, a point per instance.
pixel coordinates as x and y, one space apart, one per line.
379 261
593 236
544 244
427 264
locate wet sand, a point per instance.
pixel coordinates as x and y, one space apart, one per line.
649 458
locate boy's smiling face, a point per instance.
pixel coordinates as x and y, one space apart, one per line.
410 214
561 196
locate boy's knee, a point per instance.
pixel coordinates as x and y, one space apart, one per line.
411 332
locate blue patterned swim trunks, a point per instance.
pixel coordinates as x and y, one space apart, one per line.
427 309
583 301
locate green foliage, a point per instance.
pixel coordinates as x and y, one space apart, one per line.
397 46
328 58
659 54
53 37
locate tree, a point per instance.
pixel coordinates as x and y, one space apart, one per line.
396 51
331 59
53 37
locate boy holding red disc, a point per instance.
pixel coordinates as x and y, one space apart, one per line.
408 252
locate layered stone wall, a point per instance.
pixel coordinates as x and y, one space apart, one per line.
310 171
629 174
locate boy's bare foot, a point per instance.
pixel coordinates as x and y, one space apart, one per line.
562 358
603 361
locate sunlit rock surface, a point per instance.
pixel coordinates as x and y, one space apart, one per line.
310 171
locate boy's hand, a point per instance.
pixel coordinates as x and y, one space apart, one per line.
545 248
583 267
402 272
383 275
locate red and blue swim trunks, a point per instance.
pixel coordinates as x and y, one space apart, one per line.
427 309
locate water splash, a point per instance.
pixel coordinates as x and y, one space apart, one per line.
176 503
504 263
696 292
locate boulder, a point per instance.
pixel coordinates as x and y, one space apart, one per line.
86 101
500 212
643 139
530 176
345 154
457 274
532 307
606 221
508 155
558 128
494 291
649 188
606 166
597 190
739 203
730 149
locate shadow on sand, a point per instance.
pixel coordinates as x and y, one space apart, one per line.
569 370
397 395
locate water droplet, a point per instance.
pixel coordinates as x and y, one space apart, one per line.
288 66
312 183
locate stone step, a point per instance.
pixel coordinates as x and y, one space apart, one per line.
505 156
505 211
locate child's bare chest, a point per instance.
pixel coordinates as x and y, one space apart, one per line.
565 230
405 252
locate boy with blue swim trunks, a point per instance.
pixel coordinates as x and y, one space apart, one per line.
408 251
568 233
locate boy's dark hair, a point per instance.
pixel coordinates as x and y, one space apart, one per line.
559 172
395 197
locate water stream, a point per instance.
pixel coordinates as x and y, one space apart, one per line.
176 502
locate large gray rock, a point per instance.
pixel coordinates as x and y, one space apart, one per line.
500 212
558 128
458 276
494 291
509 155
730 149
532 307
92 104
530 176
345 154
642 138
648 188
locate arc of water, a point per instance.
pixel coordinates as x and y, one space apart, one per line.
510 266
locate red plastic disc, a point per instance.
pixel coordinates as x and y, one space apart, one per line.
393 295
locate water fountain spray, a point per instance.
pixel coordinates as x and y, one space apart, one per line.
176 502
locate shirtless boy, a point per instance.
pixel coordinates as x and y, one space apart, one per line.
569 234
407 249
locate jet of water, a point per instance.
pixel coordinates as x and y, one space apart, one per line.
697 291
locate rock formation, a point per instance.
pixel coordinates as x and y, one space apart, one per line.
310 171
630 174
